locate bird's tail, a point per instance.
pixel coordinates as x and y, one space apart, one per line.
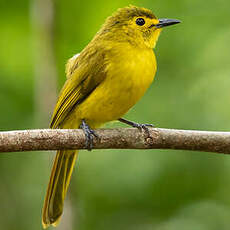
58 185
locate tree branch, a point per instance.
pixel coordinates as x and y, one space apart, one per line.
53 139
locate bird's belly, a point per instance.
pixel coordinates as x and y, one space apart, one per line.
116 95
125 83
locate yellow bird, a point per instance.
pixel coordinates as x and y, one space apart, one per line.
103 82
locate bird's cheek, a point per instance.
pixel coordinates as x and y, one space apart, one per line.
155 37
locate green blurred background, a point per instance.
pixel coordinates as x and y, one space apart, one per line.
118 189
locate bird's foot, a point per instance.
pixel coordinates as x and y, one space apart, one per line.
89 134
137 125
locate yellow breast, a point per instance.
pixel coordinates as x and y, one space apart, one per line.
129 74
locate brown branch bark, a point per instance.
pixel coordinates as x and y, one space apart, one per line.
131 138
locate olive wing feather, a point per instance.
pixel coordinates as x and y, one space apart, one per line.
84 74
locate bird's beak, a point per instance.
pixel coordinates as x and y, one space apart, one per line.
166 22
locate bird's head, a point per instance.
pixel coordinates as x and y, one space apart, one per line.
136 25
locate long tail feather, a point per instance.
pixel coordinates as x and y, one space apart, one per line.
58 185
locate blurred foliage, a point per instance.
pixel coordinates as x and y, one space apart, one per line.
125 189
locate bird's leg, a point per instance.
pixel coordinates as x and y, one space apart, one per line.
137 125
89 133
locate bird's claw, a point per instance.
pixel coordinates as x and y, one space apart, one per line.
137 125
143 127
89 134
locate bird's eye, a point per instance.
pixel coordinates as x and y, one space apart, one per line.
140 21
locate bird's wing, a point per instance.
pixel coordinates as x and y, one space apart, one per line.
72 62
86 73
